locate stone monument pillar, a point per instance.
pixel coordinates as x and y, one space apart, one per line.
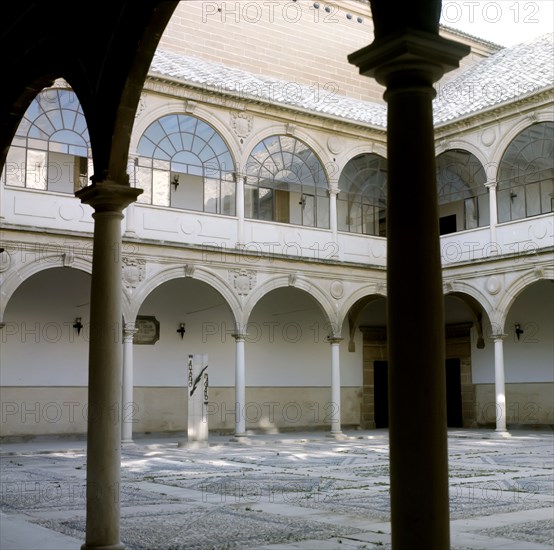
197 370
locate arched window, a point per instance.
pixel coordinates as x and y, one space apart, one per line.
526 174
50 149
184 163
462 194
362 199
286 183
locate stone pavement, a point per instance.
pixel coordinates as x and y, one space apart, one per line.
282 491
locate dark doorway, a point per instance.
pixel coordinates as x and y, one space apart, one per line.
447 224
453 394
381 393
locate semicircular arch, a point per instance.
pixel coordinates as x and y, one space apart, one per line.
283 281
211 279
464 288
509 135
152 115
518 286
281 130
19 274
366 291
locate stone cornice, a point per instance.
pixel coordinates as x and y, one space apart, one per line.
213 98
458 270
175 88
493 265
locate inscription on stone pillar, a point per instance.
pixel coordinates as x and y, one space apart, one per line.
197 381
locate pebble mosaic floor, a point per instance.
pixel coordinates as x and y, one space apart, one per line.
288 491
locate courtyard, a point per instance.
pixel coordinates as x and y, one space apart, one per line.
277 491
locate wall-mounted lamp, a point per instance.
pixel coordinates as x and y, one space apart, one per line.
512 196
77 325
181 330
175 181
519 330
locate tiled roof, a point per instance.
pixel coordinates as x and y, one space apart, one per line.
216 77
472 37
506 75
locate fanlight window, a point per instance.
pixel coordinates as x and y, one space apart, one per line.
184 163
286 183
462 194
50 150
362 199
526 174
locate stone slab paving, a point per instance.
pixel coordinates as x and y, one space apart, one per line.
292 490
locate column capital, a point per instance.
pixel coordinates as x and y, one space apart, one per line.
129 331
409 58
498 336
491 184
334 339
239 336
108 196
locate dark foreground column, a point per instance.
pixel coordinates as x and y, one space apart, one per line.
105 365
408 63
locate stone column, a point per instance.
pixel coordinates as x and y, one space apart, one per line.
130 220
2 200
335 386
493 210
105 365
239 205
333 222
499 384
128 407
240 385
408 62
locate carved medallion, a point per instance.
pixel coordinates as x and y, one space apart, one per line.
335 145
337 290
5 261
493 285
243 281
133 271
488 137
242 124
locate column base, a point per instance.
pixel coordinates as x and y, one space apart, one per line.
127 442
193 444
240 437
337 435
119 546
502 433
